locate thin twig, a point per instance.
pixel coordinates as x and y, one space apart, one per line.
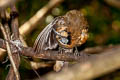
9 52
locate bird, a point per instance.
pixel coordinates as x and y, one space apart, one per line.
66 32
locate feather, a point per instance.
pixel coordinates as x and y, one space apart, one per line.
46 39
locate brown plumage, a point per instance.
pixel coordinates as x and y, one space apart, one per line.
66 31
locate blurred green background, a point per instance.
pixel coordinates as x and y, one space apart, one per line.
103 19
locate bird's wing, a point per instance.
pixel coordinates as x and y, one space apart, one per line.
46 39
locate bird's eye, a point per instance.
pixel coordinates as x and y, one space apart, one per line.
87 27
64 40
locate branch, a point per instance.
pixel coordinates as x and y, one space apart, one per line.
38 65
103 63
115 3
9 52
54 55
14 22
94 65
15 54
51 55
30 25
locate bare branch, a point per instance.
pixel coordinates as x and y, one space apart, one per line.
15 54
52 55
28 26
115 3
14 22
103 63
9 52
37 65
55 55
93 65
